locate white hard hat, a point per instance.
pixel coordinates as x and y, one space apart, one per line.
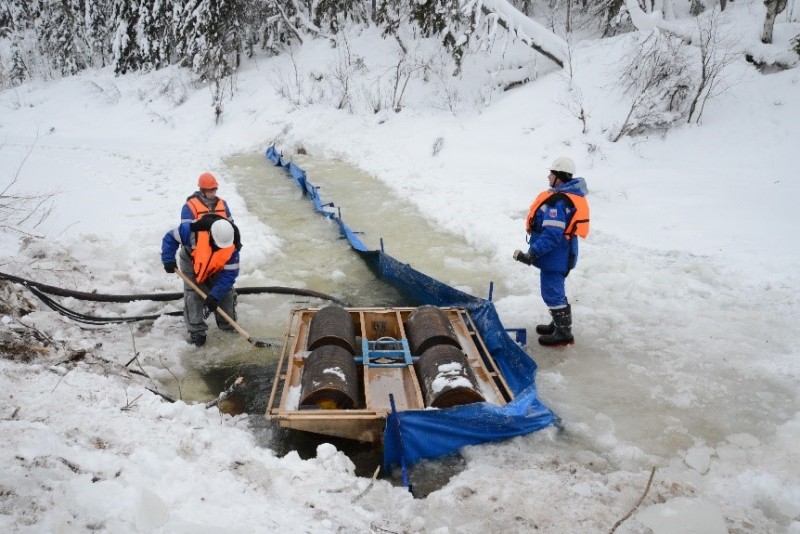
222 233
563 164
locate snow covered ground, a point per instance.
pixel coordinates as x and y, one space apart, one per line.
685 304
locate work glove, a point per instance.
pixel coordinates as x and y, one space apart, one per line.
210 305
170 267
526 258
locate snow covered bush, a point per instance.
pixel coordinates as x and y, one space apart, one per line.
22 211
656 78
668 78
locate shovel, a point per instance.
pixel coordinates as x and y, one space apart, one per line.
234 324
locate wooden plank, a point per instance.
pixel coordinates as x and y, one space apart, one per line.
282 377
398 381
488 357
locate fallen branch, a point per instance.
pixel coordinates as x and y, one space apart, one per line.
224 394
646 489
180 393
129 405
365 490
136 358
165 397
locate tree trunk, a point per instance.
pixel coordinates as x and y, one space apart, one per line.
774 8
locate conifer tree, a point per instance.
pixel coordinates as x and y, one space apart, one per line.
154 37
125 53
211 37
58 29
16 18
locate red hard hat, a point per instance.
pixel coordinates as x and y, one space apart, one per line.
207 181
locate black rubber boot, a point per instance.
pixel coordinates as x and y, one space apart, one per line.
198 340
545 329
562 323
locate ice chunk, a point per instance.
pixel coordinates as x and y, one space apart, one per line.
688 516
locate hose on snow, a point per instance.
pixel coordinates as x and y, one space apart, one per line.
42 292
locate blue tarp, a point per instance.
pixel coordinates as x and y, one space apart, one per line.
417 434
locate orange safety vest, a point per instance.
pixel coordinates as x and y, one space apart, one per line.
579 225
206 260
199 209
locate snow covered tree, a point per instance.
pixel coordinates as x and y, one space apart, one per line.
59 29
19 70
774 8
469 25
615 17
125 53
97 31
329 15
209 36
143 37
263 27
154 36
17 18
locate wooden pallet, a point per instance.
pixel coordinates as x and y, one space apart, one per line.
395 376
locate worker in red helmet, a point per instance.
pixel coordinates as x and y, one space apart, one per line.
205 201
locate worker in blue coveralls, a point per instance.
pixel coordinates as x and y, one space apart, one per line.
556 218
209 257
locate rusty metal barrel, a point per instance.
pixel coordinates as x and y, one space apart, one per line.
447 378
330 379
428 326
332 325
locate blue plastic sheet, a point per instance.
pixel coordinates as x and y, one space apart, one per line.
418 434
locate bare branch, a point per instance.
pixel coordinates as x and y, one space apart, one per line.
639 502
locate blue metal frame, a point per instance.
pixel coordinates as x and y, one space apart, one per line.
371 351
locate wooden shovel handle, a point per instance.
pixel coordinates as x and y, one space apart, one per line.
220 311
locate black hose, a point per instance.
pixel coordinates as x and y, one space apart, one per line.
159 297
41 291
90 319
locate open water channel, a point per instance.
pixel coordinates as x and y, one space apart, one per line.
312 256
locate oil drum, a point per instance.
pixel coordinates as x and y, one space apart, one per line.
447 378
332 325
330 379
428 326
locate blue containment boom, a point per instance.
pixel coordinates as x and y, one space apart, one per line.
433 433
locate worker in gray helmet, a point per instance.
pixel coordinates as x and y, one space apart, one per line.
209 257
557 217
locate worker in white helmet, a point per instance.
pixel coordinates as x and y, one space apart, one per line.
209 256
555 220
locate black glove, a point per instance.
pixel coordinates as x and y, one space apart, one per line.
211 304
170 267
524 257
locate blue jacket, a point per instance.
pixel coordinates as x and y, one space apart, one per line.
554 252
183 235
